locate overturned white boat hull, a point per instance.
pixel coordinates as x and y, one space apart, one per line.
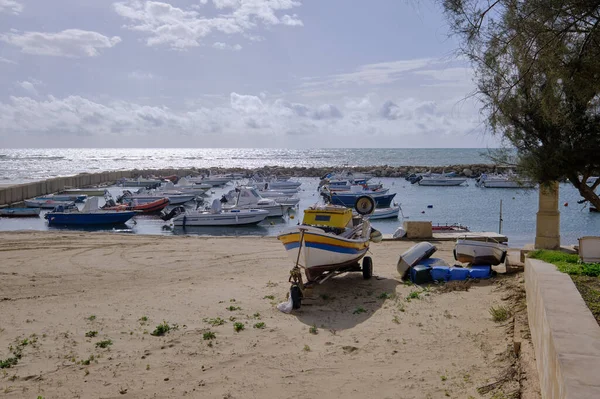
480 252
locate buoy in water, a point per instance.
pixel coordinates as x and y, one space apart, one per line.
422 211
566 204
291 216
429 206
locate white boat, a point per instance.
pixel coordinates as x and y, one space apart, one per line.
245 197
139 182
276 193
48 203
91 192
217 216
213 180
589 249
186 187
440 181
503 181
175 197
274 183
480 252
386 213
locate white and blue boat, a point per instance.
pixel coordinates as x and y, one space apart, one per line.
90 215
48 203
382 200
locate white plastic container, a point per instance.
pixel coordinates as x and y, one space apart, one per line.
589 249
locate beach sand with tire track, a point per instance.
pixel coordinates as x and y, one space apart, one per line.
355 338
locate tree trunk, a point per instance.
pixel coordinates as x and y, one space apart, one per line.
586 191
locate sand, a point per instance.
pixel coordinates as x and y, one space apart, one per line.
56 287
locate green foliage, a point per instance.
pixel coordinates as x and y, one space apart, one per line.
499 314
91 318
385 295
233 308
91 334
104 343
313 330
87 361
413 295
536 73
163 328
237 326
271 297
260 325
215 322
209 335
143 319
359 310
8 363
567 263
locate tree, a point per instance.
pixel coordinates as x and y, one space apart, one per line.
537 72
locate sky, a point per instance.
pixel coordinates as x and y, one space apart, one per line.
233 73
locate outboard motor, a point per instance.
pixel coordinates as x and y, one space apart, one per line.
178 210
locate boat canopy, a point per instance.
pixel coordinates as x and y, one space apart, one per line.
328 216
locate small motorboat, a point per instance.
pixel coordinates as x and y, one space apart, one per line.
390 212
48 203
439 181
503 181
64 197
348 199
144 197
246 197
216 216
139 182
19 212
149 207
330 241
90 192
90 215
480 252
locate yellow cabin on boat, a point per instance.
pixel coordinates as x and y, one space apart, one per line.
328 216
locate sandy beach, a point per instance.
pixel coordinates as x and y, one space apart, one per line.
368 338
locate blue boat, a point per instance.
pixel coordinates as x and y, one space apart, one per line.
90 215
20 212
349 199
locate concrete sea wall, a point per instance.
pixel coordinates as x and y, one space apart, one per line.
564 332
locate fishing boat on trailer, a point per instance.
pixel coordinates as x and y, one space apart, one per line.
480 252
90 215
330 241
19 212
216 216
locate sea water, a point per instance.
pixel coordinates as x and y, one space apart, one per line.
476 207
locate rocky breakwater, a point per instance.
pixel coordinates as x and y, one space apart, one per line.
466 170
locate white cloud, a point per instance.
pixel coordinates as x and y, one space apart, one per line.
68 43
165 24
29 87
260 121
141 75
11 7
7 61
225 46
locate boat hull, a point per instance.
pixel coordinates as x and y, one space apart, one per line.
278 210
385 213
441 182
381 201
223 218
323 251
19 212
150 207
88 219
47 204
480 252
91 192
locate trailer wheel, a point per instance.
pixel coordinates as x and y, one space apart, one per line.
367 267
296 295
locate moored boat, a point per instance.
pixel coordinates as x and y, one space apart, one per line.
480 252
217 216
90 192
245 197
349 199
19 212
90 215
503 181
47 203
390 212
149 207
